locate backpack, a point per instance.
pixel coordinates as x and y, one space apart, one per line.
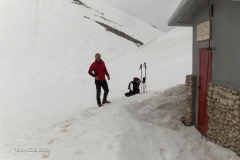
135 87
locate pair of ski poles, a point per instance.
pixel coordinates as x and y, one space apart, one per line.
144 79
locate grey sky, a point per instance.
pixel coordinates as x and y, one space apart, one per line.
154 12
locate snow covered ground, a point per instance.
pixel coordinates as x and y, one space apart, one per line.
48 99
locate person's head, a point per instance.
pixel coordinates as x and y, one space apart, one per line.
98 57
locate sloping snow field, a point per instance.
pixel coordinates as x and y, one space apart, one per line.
48 99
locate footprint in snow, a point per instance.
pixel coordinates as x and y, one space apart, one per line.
164 154
45 154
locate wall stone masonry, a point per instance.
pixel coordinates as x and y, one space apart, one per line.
224 118
189 117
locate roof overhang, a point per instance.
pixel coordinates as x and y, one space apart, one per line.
183 16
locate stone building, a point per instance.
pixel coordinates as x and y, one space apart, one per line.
213 104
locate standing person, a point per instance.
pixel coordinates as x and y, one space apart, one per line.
99 70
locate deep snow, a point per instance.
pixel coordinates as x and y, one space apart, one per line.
48 98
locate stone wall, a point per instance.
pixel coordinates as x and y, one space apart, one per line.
189 117
223 111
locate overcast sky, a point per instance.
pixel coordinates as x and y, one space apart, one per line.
154 12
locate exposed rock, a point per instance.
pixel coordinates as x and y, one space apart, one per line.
80 3
120 33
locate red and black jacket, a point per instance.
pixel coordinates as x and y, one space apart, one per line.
99 70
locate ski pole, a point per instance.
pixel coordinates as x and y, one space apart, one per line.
145 66
141 76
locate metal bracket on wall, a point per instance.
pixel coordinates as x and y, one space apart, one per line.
211 10
211 49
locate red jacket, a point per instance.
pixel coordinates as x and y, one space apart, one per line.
99 70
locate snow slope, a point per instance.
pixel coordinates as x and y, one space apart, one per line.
168 60
18 33
39 35
48 98
149 11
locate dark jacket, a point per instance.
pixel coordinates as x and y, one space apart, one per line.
99 70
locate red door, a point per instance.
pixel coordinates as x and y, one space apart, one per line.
205 76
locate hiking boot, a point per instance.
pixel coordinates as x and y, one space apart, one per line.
99 105
129 94
106 101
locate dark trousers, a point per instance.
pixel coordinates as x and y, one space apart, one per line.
104 85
